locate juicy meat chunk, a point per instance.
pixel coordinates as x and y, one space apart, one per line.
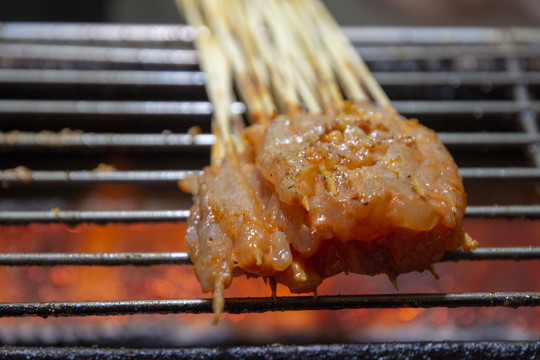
233 225
362 174
364 191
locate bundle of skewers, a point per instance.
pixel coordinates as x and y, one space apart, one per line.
327 178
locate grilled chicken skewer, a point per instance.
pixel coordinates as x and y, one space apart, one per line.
342 186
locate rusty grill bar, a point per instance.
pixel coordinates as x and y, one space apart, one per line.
54 57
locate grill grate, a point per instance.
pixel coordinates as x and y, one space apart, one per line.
119 85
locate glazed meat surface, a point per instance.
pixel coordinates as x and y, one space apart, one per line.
362 174
364 191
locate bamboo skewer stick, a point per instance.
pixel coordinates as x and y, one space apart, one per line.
281 77
218 80
295 63
331 28
238 24
351 83
255 95
282 54
258 74
308 35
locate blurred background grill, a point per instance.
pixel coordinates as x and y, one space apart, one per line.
99 122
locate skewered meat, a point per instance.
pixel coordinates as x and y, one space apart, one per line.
364 191
302 197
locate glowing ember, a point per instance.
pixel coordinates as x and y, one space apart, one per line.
79 283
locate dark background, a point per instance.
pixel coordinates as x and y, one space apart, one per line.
347 12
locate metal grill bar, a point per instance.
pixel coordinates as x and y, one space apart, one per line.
95 176
79 139
462 107
527 117
102 77
25 176
445 35
196 108
96 259
465 350
96 32
188 57
399 52
197 78
184 33
104 217
499 253
511 211
98 217
455 78
100 54
494 139
262 304
500 173
91 53
182 258
83 107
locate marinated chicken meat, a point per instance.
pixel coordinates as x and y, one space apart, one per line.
364 191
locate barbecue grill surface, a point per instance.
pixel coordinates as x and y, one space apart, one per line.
76 95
